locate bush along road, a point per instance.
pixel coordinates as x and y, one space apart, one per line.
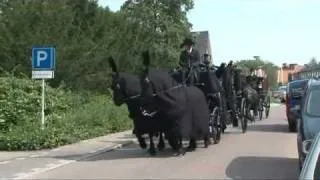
70 117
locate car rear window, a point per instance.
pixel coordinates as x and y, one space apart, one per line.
313 103
297 87
283 88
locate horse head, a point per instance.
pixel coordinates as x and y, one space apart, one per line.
123 85
221 70
116 83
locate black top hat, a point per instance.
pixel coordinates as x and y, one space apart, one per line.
187 41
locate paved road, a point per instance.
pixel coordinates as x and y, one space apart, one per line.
266 151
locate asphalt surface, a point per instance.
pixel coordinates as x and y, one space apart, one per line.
266 151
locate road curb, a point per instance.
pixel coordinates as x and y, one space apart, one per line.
61 163
44 152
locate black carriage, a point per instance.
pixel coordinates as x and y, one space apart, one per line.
240 100
264 97
207 75
241 110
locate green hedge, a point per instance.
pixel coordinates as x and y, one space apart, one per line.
70 117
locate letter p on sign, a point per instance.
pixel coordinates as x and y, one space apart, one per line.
43 58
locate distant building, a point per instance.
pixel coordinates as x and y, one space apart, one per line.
286 70
306 73
202 42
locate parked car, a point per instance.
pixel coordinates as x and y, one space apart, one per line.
280 93
295 92
308 118
311 166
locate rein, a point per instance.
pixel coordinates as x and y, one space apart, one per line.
132 97
172 88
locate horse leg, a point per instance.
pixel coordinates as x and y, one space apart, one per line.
206 140
178 146
152 149
223 108
161 144
192 144
141 140
255 109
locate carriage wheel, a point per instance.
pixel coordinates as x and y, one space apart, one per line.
260 109
267 110
243 115
215 125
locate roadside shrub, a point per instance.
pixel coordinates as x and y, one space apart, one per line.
70 117
20 101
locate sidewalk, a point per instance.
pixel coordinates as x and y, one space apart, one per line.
77 150
21 165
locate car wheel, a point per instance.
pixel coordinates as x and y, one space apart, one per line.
300 166
292 126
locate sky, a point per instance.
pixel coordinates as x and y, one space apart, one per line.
280 31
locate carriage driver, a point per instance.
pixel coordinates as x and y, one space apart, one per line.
189 57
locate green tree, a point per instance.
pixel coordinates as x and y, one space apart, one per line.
164 25
85 35
270 68
313 62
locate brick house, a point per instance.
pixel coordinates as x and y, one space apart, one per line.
286 69
202 42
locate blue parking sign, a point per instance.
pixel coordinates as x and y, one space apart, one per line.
43 58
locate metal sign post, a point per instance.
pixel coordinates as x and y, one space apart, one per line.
43 64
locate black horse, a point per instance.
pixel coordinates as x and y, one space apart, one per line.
126 89
225 74
186 107
243 87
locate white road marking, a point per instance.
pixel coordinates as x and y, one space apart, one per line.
20 158
48 167
34 155
51 166
4 162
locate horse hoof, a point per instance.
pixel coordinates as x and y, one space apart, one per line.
180 153
190 148
152 151
143 145
161 147
206 145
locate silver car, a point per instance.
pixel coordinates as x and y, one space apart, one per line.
280 93
311 166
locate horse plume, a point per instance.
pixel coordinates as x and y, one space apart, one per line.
112 64
146 58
